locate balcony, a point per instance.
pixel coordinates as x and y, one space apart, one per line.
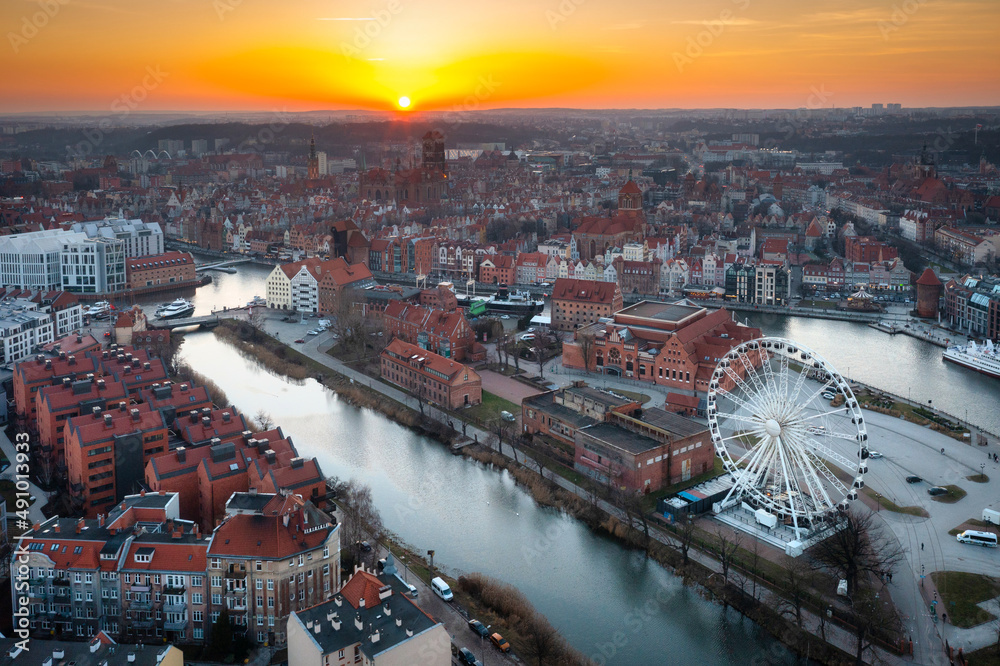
61 581
175 626
239 605
174 589
141 605
40 594
236 592
143 624
236 573
174 608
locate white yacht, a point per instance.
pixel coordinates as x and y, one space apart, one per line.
984 359
179 308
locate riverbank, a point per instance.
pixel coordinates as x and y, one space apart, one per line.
559 493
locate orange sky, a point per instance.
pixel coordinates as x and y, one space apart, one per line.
299 55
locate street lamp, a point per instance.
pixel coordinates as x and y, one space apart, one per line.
878 502
982 471
482 642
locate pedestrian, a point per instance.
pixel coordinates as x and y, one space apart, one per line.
890 577
921 546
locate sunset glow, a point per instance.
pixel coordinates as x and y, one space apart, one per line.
262 55
404 102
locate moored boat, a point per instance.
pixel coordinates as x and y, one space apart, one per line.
984 359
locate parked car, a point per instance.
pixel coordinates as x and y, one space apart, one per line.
828 395
500 642
479 628
465 656
365 546
315 331
913 479
874 455
937 490
507 416
505 316
300 341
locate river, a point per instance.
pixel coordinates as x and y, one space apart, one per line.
612 604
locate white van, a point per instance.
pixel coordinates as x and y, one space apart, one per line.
441 589
987 539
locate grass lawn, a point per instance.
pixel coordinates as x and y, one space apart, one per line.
490 406
978 478
987 656
954 494
887 504
965 590
975 522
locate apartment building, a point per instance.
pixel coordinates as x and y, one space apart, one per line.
94 266
369 621
32 260
140 238
106 453
272 555
298 285
446 333
23 329
577 303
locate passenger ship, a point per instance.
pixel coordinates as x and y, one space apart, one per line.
984 359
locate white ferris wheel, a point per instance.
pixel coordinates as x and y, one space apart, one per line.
782 419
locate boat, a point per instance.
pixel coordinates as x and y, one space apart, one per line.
514 302
179 308
257 302
99 310
984 358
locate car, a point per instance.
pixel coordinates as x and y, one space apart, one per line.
528 336
530 329
913 479
816 430
937 490
365 546
500 642
315 331
300 341
479 628
874 455
828 395
465 656
505 316
507 416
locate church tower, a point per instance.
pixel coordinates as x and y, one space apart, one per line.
433 151
630 197
313 159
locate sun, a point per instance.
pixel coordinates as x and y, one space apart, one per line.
404 102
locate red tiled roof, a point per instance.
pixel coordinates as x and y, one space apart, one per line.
363 585
591 291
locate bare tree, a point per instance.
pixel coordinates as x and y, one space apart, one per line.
363 522
872 616
754 565
861 546
630 502
729 545
586 344
263 420
797 579
541 641
685 536
256 320
500 430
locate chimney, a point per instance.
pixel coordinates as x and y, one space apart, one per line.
284 521
386 609
66 381
317 627
72 360
39 359
100 520
270 455
336 623
207 411
399 622
135 415
226 417
105 355
297 462
181 454
184 388
361 602
215 441
96 411
193 416
79 339
357 619
107 420
48 364
62 356
206 421
56 526
122 406
375 636
248 437
101 384
409 633
145 366
127 370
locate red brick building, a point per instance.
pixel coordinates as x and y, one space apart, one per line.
867 249
226 425
577 303
435 378
676 345
106 453
160 269
646 453
497 269
444 333
56 404
559 414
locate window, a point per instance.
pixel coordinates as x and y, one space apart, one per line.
216 563
270 584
